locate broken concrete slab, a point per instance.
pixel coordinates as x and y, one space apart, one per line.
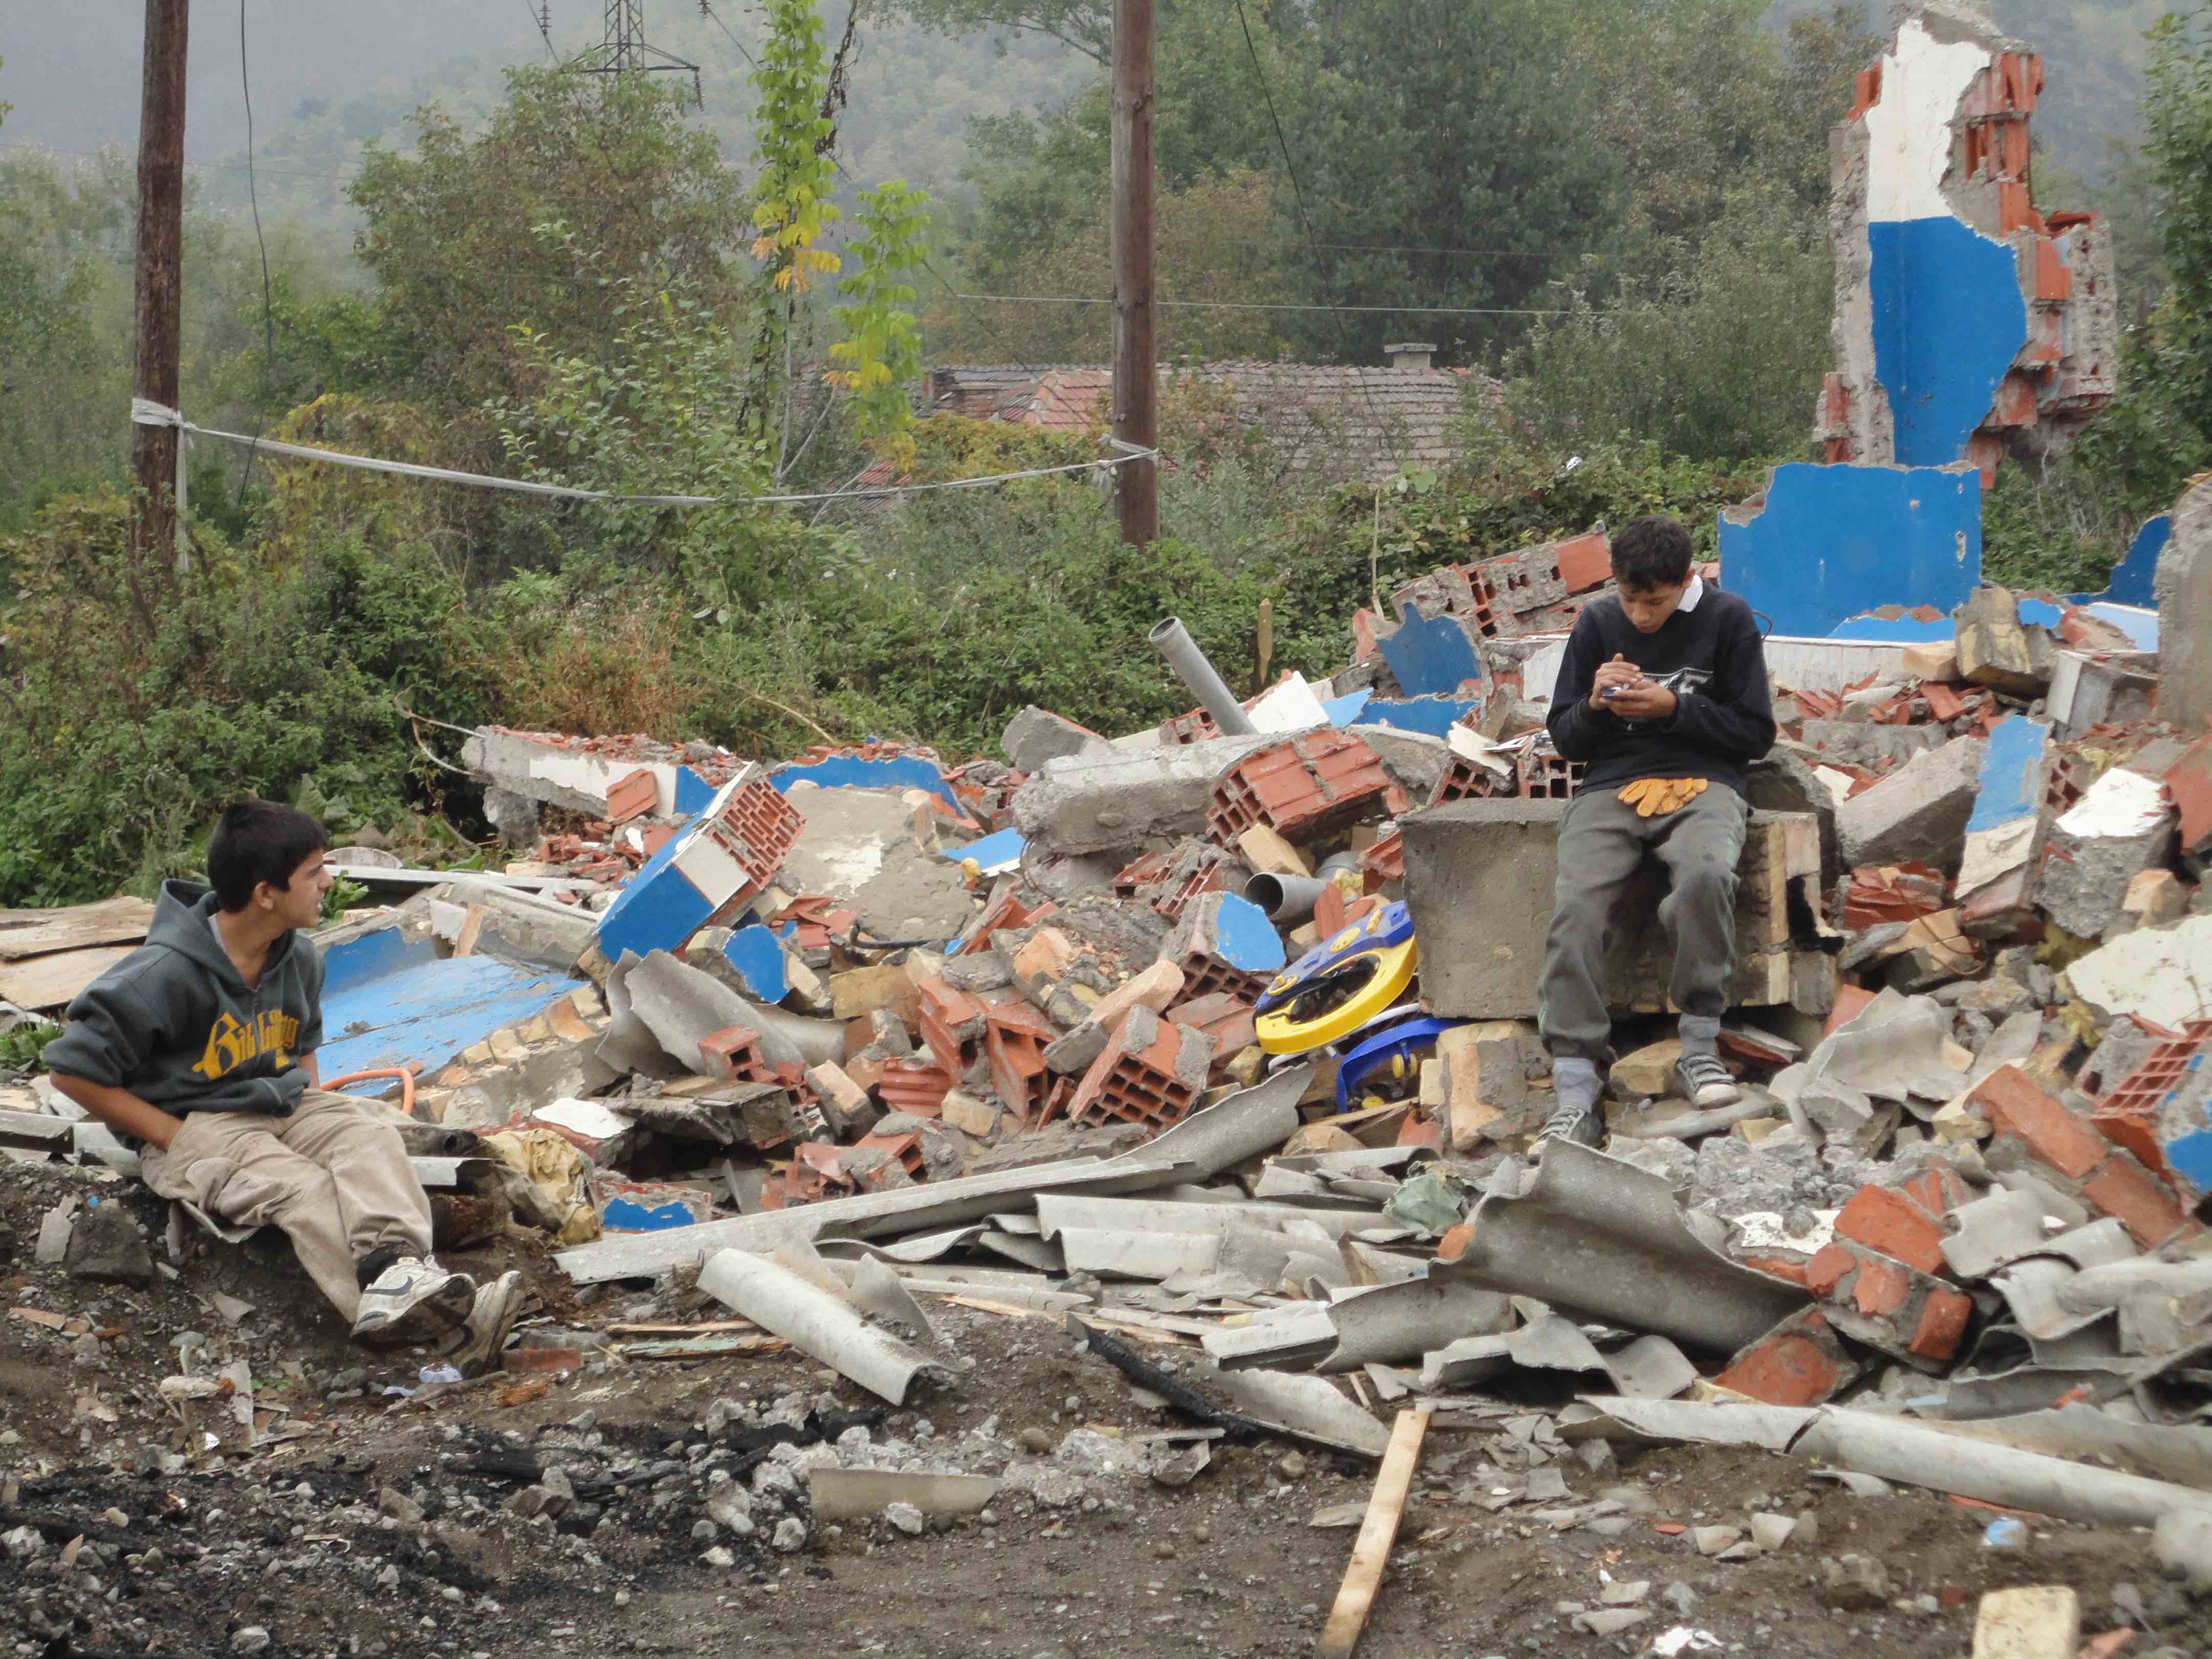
859 844
2120 828
2161 975
1081 803
1037 735
821 1325
1918 813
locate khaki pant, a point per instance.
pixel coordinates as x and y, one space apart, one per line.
1601 842
334 1175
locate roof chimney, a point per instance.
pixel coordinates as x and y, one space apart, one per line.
1411 355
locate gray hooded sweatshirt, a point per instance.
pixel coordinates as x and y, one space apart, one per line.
175 1024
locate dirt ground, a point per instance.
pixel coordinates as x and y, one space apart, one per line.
285 1551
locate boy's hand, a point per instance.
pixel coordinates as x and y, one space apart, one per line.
1615 677
1647 700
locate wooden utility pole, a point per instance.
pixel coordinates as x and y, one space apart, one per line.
158 332
1136 382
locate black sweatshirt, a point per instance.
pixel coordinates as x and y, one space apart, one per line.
1709 657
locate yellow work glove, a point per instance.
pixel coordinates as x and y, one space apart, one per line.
1656 797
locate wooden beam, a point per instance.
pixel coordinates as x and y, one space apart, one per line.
1371 1552
157 316
1136 377
111 922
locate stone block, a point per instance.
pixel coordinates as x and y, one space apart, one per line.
1997 649
2120 830
106 1247
1918 813
2036 1621
1037 735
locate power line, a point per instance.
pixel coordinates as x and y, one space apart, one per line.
538 21
1298 196
1255 305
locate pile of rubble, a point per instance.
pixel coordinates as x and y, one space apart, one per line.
1225 1043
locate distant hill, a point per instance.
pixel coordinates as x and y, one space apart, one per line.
330 76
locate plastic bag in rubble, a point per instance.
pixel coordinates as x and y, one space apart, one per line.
1427 1202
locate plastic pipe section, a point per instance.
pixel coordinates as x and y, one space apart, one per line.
1290 899
1172 640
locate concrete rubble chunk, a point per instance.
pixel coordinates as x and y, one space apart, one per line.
1037 735
1997 649
1918 813
1081 803
2036 1621
106 1247
2184 602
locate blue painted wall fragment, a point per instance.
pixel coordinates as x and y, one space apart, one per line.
656 909
1345 710
1245 938
1429 656
1833 542
852 772
994 853
757 955
388 1002
1948 319
693 793
625 1215
2009 765
1432 717
2140 625
2132 581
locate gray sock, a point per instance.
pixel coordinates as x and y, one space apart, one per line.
1575 1082
1700 1034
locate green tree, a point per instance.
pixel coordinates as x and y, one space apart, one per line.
450 234
1437 125
1716 356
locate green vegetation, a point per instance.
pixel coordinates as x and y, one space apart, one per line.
569 282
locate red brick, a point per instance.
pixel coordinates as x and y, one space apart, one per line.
2125 1191
1849 999
1774 1267
2188 781
1938 1190
1893 1225
1453 1245
915 1087
631 797
952 1023
1943 1315
1584 562
1881 1287
1800 1363
733 1054
1828 1270
2009 1100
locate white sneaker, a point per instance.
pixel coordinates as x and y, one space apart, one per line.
1704 1081
413 1300
475 1347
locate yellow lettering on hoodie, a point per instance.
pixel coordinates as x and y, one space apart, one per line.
231 1045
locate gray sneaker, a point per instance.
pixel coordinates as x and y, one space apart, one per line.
475 1348
1576 1122
1703 1081
411 1301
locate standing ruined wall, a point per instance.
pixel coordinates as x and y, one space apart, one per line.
1967 325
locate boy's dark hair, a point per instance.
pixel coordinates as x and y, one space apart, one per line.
1652 551
260 840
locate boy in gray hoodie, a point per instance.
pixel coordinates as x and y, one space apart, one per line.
200 1045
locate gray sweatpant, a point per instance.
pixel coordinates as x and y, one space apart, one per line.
1601 842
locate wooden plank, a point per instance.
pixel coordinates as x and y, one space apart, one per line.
111 922
1371 1552
45 982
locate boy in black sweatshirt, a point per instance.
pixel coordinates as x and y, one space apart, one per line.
200 1046
1662 693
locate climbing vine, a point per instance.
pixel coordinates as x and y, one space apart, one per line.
881 347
